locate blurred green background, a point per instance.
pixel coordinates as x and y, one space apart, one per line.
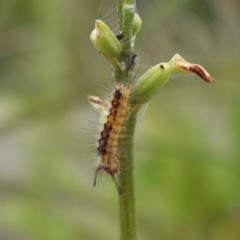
187 154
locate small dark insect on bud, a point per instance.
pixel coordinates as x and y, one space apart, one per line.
119 35
161 66
129 61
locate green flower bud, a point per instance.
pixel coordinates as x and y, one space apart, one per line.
157 76
137 23
106 42
152 80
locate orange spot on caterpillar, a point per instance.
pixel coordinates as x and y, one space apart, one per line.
115 103
113 111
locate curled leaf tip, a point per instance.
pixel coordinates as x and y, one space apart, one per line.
182 66
98 103
201 72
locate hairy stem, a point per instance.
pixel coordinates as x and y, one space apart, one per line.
126 175
120 13
126 11
129 11
126 181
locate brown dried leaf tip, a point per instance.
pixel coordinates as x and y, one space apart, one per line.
182 66
98 103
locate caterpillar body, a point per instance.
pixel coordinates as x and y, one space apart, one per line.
114 113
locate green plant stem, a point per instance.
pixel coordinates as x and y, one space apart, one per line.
127 27
120 13
126 16
126 181
126 174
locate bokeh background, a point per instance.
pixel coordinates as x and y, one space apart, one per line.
187 154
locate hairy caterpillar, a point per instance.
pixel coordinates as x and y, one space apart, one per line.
115 112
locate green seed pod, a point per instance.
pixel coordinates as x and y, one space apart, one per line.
152 80
106 42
